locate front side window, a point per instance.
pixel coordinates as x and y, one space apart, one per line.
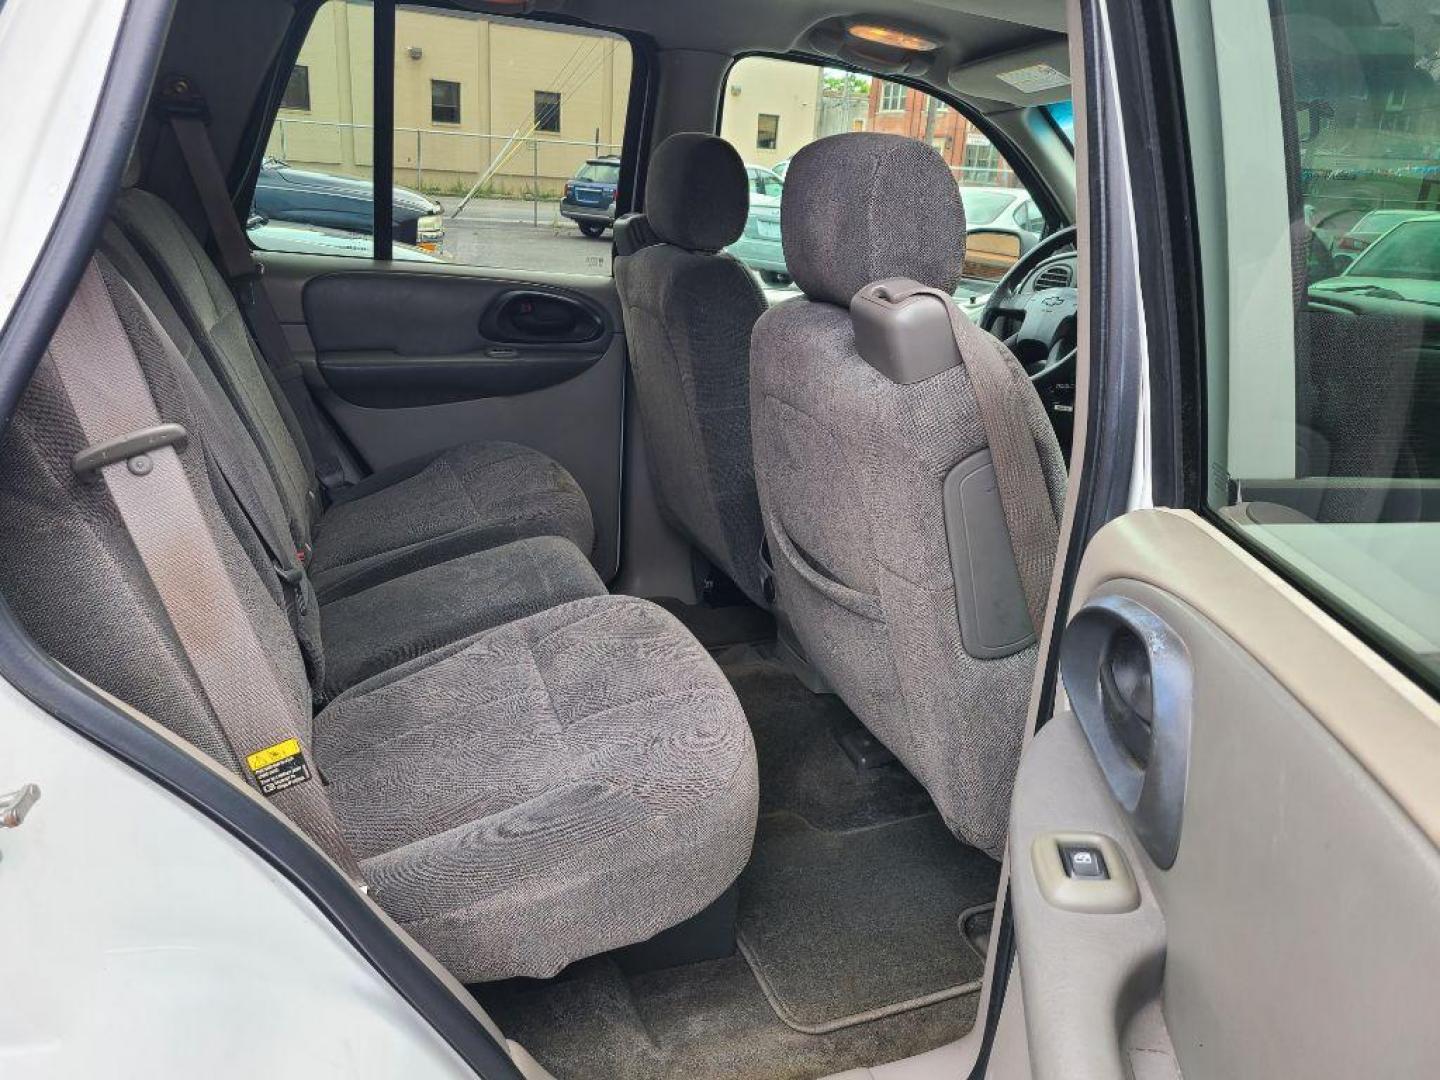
773 108
507 141
1323 430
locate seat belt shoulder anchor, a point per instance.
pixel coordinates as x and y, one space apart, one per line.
136 444
178 96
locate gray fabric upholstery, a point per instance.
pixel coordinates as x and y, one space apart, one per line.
397 620
172 250
850 468
697 195
71 574
554 786
463 499
863 206
688 319
575 781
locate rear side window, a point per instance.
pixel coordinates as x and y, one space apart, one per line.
1324 395
497 123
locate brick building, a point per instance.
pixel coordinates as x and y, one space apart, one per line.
901 110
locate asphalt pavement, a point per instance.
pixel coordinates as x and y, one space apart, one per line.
518 234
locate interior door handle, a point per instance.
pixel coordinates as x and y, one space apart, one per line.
1130 684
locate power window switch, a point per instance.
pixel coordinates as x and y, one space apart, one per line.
1084 862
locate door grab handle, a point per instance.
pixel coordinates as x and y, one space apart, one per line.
1128 677
16 804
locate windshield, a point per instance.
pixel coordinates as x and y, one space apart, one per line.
1410 251
602 173
1377 221
1063 114
983 207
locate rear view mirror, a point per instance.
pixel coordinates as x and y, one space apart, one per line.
990 252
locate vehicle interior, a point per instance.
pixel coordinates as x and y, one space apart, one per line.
633 558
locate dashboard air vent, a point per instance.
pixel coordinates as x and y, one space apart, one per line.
1056 276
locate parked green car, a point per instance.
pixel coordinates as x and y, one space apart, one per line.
759 247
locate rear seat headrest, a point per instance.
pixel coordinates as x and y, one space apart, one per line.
863 206
697 196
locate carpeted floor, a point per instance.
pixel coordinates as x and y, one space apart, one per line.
852 902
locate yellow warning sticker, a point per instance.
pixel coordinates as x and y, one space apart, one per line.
278 767
271 754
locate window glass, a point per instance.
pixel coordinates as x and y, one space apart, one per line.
507 141
444 102
314 194
768 132
1324 427
297 89
790 104
547 111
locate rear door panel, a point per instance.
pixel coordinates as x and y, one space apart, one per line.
408 360
1296 932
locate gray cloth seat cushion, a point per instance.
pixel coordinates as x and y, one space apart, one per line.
688 317
398 519
465 499
568 783
397 620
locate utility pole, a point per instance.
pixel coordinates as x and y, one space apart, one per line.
931 104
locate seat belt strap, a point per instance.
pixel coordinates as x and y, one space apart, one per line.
185 111
999 383
135 454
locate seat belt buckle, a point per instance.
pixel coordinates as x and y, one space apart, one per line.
133 449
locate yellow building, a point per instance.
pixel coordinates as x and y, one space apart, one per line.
769 111
475 96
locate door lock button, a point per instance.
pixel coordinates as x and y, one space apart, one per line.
1084 862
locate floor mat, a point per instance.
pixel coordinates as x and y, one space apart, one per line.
705 1021
846 927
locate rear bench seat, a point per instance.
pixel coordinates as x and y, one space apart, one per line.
463 499
575 776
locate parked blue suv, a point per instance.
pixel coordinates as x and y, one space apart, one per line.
590 195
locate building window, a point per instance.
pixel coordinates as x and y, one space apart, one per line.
444 102
547 111
982 161
297 89
768 134
892 97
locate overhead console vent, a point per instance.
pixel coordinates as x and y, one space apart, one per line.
1055 276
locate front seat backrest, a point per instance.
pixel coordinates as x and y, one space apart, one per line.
689 311
893 564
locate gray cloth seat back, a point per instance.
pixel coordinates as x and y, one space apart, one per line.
689 310
877 487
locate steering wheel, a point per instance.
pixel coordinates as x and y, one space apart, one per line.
1045 343
1042 324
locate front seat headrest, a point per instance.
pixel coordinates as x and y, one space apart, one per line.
863 206
698 195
